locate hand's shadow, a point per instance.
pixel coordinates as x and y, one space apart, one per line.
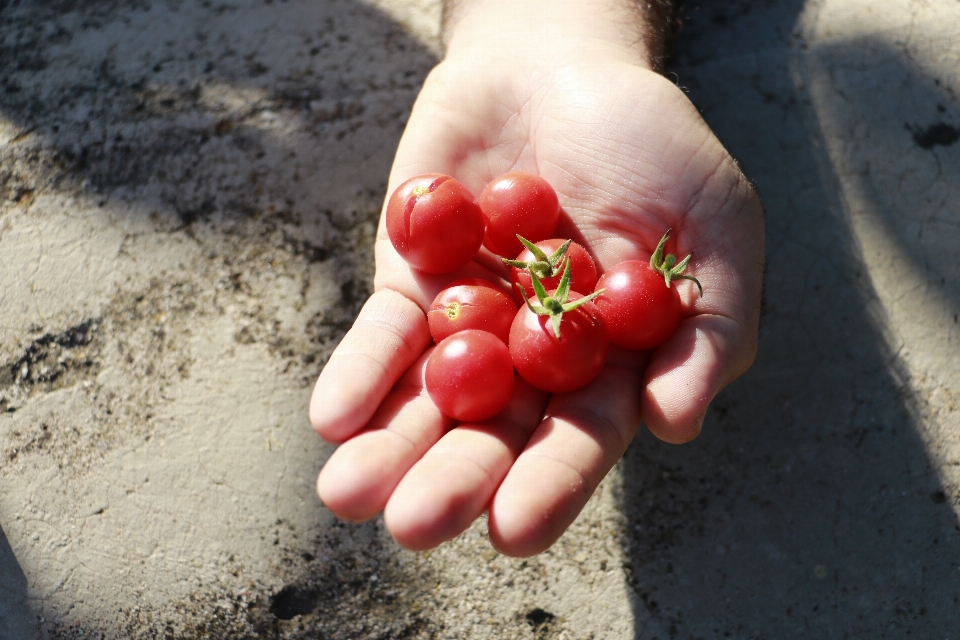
809 507
16 618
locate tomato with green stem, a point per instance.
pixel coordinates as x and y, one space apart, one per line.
547 260
641 308
559 343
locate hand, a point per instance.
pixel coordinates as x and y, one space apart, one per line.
630 158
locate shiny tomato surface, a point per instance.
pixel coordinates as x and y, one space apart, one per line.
637 306
559 364
518 203
469 376
472 303
434 223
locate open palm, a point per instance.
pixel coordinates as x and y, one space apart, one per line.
629 158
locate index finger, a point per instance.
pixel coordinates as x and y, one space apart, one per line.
390 333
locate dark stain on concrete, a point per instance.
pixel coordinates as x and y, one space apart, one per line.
940 134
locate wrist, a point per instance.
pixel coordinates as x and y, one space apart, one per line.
546 30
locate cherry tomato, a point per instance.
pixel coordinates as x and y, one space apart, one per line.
559 364
434 223
518 203
472 303
638 307
583 271
469 375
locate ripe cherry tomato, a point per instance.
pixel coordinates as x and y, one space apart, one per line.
559 364
583 271
434 223
638 307
469 375
518 203
472 303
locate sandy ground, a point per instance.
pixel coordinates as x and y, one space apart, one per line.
188 193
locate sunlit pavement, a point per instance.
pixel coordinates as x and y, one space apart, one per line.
186 218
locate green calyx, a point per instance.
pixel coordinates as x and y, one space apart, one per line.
543 265
668 267
556 305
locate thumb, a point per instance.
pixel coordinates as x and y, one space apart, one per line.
706 353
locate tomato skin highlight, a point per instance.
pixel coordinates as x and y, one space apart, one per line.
434 223
641 312
469 376
471 303
521 203
583 271
564 364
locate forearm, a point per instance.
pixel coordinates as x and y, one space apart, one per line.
642 30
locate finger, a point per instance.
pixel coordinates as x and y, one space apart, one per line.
705 354
719 341
388 336
394 273
582 436
452 484
359 477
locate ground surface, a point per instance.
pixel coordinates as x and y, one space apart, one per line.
188 192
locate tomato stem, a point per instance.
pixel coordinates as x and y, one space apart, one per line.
556 305
668 267
544 266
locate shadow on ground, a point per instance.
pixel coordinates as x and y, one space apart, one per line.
809 506
16 620
195 121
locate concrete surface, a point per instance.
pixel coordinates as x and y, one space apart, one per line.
188 192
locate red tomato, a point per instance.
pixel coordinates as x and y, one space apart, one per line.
469 376
518 203
583 272
559 364
472 303
434 223
638 307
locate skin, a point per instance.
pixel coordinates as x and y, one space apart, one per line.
629 157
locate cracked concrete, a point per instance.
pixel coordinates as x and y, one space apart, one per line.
188 193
